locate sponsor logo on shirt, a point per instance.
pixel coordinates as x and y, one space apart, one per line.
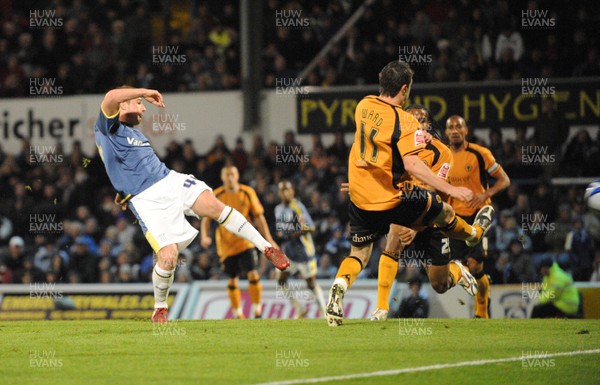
136 142
419 138
443 173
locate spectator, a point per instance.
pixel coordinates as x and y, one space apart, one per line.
326 269
415 304
556 239
559 298
82 265
596 268
16 254
203 269
521 268
507 231
580 247
28 273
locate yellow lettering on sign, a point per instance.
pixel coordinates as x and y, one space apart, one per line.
306 107
584 99
474 103
429 100
348 108
500 105
328 111
520 115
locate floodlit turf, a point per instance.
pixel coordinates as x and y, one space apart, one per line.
258 351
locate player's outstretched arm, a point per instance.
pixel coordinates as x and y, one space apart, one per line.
112 99
418 169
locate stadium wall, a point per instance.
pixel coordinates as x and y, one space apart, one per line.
200 117
208 300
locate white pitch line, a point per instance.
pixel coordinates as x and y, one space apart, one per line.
428 367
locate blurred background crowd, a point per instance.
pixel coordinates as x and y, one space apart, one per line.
107 43
58 222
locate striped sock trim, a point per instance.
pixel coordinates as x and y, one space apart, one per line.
227 217
389 254
358 259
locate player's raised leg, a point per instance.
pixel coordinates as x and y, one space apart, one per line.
207 204
457 228
162 279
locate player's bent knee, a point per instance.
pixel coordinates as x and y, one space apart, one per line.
253 276
207 205
445 216
167 257
439 286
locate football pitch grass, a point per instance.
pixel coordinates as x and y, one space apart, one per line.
405 351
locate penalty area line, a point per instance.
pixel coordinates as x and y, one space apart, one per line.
428 367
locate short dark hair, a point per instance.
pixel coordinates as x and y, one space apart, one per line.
416 106
393 76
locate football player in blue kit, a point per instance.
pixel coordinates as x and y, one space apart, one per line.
160 198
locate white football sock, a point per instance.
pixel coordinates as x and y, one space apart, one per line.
318 293
255 308
162 281
236 223
342 282
290 294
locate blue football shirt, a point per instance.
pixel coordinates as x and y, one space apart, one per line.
129 159
287 218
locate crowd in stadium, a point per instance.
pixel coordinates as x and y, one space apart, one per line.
60 224
96 49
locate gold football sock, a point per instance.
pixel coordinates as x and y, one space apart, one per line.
235 297
388 267
255 292
458 228
349 269
482 297
455 273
